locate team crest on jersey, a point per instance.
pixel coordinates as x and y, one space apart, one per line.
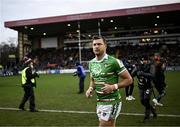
106 65
96 69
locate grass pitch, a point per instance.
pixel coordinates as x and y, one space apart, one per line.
59 92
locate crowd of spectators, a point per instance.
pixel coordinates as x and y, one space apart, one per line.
66 59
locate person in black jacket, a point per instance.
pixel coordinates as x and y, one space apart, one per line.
159 79
144 72
28 82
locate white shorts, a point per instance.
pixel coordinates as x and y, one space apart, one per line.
107 112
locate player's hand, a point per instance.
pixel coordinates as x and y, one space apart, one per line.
107 88
89 92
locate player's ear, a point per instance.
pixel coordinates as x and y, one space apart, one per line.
105 45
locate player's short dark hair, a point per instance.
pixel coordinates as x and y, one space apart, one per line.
96 37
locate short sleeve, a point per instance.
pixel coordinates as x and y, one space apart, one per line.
119 66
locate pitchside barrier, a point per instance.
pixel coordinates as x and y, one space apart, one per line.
57 71
70 71
173 68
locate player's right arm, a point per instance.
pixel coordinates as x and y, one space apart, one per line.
91 88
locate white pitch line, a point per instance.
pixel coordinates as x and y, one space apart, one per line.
139 114
68 111
87 112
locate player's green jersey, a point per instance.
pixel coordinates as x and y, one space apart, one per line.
104 71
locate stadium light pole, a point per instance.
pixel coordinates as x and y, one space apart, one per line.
79 39
99 28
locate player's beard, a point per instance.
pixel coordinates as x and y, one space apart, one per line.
97 52
100 55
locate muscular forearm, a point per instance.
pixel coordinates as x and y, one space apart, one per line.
125 82
109 88
126 79
90 89
91 84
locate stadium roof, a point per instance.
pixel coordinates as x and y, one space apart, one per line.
132 18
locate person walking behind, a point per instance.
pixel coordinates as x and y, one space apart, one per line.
159 79
82 75
144 72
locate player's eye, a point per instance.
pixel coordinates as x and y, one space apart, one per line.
98 44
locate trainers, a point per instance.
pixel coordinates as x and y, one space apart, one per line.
128 98
160 104
156 102
132 98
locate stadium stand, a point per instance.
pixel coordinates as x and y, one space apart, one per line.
60 41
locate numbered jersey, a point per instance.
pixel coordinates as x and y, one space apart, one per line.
104 71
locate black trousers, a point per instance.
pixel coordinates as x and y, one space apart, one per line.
145 96
160 86
28 95
81 84
129 90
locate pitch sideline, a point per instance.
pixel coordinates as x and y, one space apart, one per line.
86 112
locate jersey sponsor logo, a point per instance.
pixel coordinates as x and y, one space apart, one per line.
110 73
107 65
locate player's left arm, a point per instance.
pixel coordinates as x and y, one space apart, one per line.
123 73
126 79
91 88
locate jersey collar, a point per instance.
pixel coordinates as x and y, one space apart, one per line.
105 57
